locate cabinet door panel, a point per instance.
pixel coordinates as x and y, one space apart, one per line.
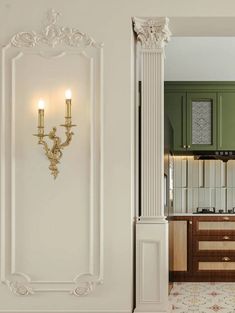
179 242
226 122
175 108
201 121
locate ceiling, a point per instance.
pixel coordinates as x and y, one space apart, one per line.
202 26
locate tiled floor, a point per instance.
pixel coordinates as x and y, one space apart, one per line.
203 297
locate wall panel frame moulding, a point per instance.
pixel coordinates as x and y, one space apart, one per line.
53 42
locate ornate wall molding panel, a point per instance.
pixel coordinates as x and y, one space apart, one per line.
56 44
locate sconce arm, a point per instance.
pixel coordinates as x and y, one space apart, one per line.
69 134
45 146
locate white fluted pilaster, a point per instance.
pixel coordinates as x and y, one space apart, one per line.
152 35
152 136
152 228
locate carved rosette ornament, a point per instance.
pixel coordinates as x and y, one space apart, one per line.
19 288
152 32
84 285
53 35
83 289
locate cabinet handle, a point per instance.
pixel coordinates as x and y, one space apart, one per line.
226 259
226 237
226 218
190 222
184 146
189 146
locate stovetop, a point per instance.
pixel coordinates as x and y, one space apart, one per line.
212 210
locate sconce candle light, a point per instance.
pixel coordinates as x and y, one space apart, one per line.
41 106
68 96
54 153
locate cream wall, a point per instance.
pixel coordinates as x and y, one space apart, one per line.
107 21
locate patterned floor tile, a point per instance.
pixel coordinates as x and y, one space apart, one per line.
203 298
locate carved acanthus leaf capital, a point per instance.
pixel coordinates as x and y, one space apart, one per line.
152 32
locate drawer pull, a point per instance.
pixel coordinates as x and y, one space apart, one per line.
226 237
226 218
226 259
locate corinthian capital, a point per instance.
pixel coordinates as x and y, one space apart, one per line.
152 32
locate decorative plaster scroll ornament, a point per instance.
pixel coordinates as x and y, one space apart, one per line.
84 287
20 285
153 33
20 289
53 34
83 290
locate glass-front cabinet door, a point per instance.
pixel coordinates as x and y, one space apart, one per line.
201 121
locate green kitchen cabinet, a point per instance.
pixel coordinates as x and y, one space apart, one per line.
226 121
202 115
175 108
201 121
193 118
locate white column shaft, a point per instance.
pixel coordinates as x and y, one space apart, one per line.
152 135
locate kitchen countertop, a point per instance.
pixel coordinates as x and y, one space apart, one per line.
201 214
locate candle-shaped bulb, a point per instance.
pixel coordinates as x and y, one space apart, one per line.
68 94
68 104
41 104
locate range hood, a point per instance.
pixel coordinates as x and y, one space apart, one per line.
224 156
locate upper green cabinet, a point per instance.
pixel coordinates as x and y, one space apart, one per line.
226 121
202 115
176 112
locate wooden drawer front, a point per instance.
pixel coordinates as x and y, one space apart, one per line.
216 264
224 225
214 245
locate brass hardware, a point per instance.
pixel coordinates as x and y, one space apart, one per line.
226 259
226 218
226 237
190 222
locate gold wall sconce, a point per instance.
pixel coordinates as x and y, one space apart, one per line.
54 154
